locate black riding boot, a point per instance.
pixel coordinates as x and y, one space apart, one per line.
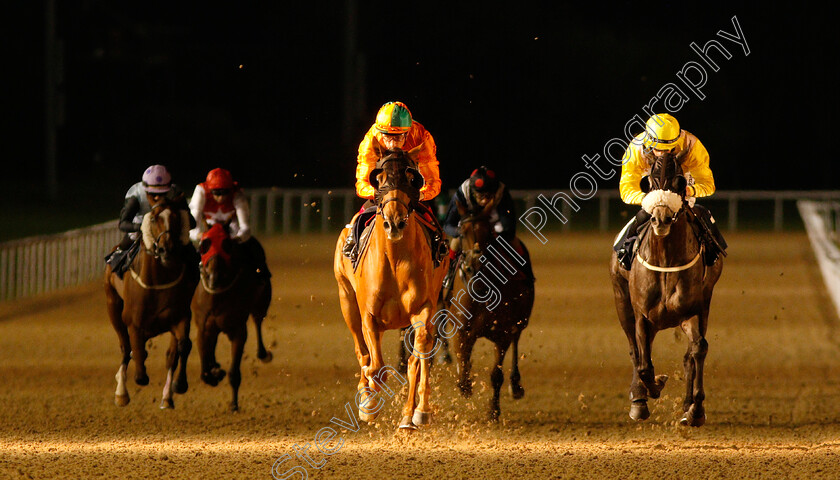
713 248
625 246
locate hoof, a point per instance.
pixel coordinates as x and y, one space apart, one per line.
639 410
691 419
466 388
167 404
517 391
421 418
234 407
443 359
180 387
266 357
367 417
659 384
142 380
121 400
493 415
406 425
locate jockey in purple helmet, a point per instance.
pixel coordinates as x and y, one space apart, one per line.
155 185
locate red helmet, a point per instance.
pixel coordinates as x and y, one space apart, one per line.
219 178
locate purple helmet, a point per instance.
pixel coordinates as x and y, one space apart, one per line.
156 179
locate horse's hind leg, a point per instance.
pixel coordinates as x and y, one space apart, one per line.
497 378
258 314
516 389
237 346
694 413
182 332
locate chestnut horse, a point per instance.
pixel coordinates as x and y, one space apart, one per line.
668 286
154 298
395 285
227 294
501 323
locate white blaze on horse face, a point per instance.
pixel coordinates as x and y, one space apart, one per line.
395 219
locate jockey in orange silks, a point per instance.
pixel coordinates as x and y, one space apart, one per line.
395 128
219 199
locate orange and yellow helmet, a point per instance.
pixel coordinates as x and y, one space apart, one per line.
662 132
393 118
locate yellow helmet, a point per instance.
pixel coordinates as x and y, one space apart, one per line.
393 117
662 132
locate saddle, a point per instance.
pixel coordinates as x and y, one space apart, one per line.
363 225
120 260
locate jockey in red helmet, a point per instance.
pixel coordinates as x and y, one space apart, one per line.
220 200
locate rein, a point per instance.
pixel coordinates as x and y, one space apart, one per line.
215 291
171 284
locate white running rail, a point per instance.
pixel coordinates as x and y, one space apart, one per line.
822 221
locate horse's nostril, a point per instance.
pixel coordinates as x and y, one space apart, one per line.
401 225
387 225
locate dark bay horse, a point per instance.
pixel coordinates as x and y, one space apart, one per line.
395 285
501 323
668 286
154 298
228 292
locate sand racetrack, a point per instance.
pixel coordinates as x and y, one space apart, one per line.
772 385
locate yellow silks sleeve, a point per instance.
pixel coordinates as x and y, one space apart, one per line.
633 168
697 163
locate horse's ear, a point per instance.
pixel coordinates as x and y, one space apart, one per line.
372 177
679 183
462 210
414 153
644 184
415 178
377 147
204 246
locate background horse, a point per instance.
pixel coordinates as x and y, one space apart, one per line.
227 294
395 285
668 286
504 323
154 298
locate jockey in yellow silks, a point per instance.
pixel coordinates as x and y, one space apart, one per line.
395 128
663 135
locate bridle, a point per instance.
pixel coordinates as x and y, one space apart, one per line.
468 252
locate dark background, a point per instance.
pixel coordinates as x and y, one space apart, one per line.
524 87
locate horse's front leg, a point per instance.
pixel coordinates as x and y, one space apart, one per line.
138 353
425 345
237 346
182 333
371 404
694 413
645 332
171 362
259 314
516 389
115 307
497 378
208 336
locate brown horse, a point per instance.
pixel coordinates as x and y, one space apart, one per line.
227 294
395 285
499 318
668 286
154 298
